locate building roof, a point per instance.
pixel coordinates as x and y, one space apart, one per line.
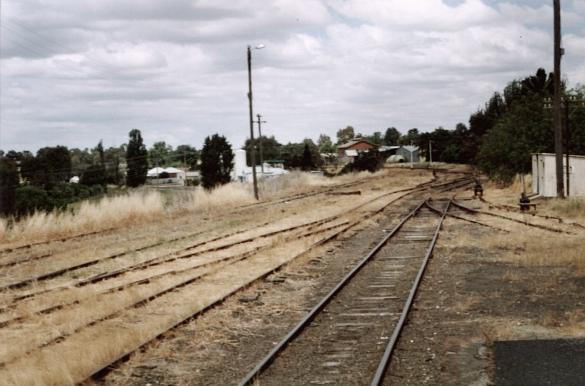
354 142
155 172
172 170
564 155
386 148
410 148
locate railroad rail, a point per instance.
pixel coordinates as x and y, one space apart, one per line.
183 277
290 198
511 219
372 307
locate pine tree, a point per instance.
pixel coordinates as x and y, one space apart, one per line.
136 159
216 161
9 181
307 161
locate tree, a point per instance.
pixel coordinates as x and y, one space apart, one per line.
411 137
30 199
391 137
113 157
95 174
271 149
216 161
9 182
306 161
375 138
50 166
325 144
160 154
188 156
136 159
345 135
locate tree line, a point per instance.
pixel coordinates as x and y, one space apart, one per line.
42 181
500 138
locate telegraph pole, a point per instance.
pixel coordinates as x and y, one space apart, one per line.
252 142
430 153
260 122
558 124
567 142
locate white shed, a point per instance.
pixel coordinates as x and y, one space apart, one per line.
544 181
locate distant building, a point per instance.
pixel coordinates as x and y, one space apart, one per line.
347 152
401 153
243 173
170 175
544 178
409 152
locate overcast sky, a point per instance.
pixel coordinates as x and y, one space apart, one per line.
74 72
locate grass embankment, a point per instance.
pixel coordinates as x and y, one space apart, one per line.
143 205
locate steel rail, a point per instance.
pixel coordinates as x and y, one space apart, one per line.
222 262
89 263
268 359
160 293
466 219
314 245
513 209
385 361
544 227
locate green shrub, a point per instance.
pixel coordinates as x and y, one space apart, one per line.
30 199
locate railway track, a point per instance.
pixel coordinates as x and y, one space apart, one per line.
294 197
14 281
111 302
342 337
511 219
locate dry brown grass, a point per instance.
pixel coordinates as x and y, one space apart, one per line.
508 194
539 248
144 206
571 208
91 216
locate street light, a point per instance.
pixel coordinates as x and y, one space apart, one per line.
258 47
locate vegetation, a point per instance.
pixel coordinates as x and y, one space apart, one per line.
8 185
345 135
271 149
216 161
326 145
136 158
370 161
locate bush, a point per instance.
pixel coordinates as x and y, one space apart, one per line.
30 199
370 161
97 190
8 185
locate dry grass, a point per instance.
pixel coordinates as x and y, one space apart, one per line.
572 208
91 216
539 249
144 206
508 194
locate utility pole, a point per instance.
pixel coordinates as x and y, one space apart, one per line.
430 153
558 124
567 141
260 122
252 142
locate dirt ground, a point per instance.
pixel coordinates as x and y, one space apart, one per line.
474 294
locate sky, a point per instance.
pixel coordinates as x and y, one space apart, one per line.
76 72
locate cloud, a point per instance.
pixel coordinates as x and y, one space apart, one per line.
75 72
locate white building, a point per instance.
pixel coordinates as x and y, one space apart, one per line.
544 180
168 175
243 173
